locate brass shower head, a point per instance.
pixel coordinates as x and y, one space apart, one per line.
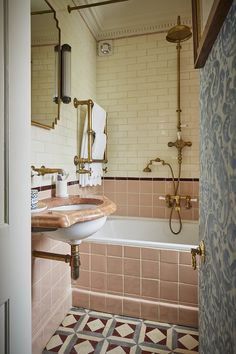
179 33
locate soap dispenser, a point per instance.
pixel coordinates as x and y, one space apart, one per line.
61 186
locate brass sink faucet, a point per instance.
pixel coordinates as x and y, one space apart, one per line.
41 171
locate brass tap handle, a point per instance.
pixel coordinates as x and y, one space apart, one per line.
194 258
83 171
188 143
170 144
76 160
177 202
169 202
201 251
188 204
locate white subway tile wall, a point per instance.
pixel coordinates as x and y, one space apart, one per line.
57 147
137 86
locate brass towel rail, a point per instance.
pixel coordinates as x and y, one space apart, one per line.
80 160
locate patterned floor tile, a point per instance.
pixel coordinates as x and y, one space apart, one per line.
83 331
112 347
58 343
85 345
125 330
185 340
156 335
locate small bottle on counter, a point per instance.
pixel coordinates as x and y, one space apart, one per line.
61 187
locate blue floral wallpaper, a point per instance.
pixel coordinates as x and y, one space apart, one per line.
218 194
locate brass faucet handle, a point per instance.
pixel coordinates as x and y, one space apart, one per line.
188 143
194 258
200 251
168 200
170 144
83 171
188 204
76 160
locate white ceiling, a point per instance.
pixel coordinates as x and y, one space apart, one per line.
134 16
39 5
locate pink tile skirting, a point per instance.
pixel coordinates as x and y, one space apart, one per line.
116 276
132 306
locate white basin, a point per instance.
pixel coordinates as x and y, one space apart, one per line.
73 207
72 219
77 232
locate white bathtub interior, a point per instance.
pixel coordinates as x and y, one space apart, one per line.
147 232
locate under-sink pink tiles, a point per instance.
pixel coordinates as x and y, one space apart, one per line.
51 291
155 284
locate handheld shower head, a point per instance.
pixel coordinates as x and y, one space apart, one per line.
147 169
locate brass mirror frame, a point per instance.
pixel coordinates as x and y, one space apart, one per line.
204 38
33 122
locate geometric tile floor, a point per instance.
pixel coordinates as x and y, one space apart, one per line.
85 331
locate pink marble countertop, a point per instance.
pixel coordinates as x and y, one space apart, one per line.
58 219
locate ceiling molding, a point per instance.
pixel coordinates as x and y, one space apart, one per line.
149 22
138 30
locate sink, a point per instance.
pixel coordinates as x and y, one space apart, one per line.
77 232
73 207
72 219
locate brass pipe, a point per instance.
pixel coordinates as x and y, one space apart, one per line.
75 262
42 12
90 131
53 256
90 104
73 259
81 102
80 7
178 47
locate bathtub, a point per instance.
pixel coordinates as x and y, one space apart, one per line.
136 267
147 232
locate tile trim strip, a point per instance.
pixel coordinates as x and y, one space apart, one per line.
71 183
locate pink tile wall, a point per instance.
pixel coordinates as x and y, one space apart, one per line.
51 289
141 197
138 197
154 284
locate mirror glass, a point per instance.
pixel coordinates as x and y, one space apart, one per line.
45 68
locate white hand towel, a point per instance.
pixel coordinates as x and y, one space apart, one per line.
99 146
98 118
